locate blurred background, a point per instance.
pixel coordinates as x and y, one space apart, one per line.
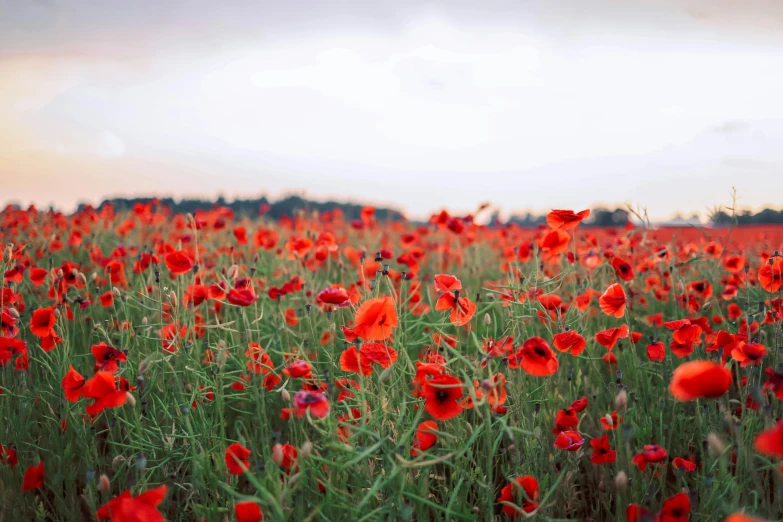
527 104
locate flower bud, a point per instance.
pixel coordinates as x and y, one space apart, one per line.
621 481
103 484
487 319
621 401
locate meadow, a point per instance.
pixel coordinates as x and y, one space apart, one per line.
216 367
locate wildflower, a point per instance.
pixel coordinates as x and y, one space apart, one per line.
425 437
127 508
697 379
612 302
376 318
236 459
520 496
602 452
441 394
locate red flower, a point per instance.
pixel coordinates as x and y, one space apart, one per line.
376 318
241 296
748 353
127 508
652 453
770 275
33 478
520 496
248 512
602 451
676 509
315 402
535 357
106 357
447 283
608 338
441 395
236 459
686 465
425 437
554 243
42 322
770 442
569 441
72 384
178 262
335 295
612 302
462 308
614 424
656 351
298 369
566 219
102 388
569 341
697 379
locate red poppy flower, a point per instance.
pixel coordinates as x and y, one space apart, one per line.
554 243
748 353
178 262
742 517
685 465
425 437
623 269
377 353
376 318
520 496
656 351
127 508
566 219
770 442
462 308
107 357
102 388
285 456
248 512
770 275
652 453
676 509
298 369
612 302
42 322
335 295
602 451
608 338
697 379
569 341
313 401
569 441
565 420
72 384
241 296
236 458
535 357
33 477
442 395
37 276
447 283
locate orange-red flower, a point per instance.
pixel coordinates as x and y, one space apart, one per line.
652 453
376 318
462 308
569 341
442 394
535 357
236 458
33 477
102 388
699 379
447 283
602 451
42 322
612 302
72 384
520 496
248 512
425 437
608 338
770 275
566 219
770 442
127 508
178 262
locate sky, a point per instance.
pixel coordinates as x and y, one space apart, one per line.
527 104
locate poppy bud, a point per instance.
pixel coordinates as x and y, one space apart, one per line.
13 311
116 461
621 481
103 484
116 291
8 254
487 319
715 444
386 374
621 401
189 219
82 278
144 365
233 272
307 449
173 299
131 399
285 395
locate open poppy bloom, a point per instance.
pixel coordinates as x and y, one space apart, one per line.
107 357
72 384
442 395
178 262
608 338
102 388
33 478
656 351
127 508
447 283
425 437
285 456
652 453
566 219
248 512
569 440
42 322
535 357
685 465
241 296
376 318
612 302
335 295
699 379
462 308
748 353
236 458
554 243
676 509
520 496
298 369
602 451
569 341
314 402
612 421
770 275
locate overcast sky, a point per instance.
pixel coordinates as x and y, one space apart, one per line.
422 105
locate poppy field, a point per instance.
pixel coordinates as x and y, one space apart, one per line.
157 366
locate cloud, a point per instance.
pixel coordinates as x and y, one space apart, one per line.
110 145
